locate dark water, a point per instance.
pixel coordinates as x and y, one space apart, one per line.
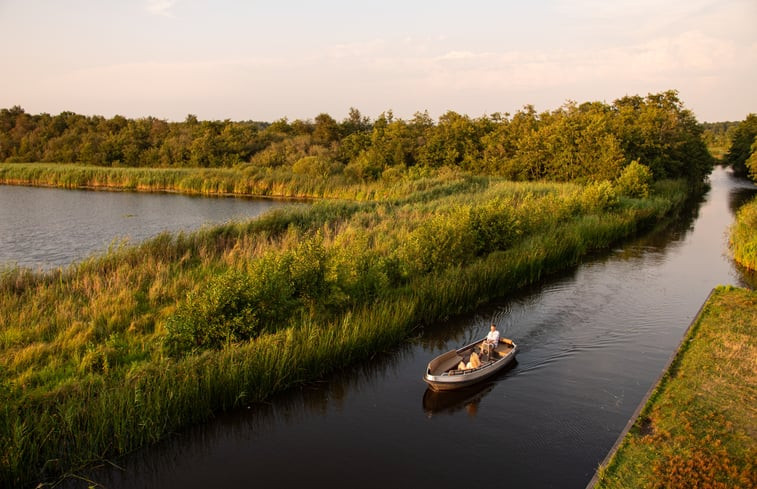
45 228
593 342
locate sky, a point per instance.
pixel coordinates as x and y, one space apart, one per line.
253 60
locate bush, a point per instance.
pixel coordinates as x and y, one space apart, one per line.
235 306
221 313
494 226
316 166
598 196
634 181
443 241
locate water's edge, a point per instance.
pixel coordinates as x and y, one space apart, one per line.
643 403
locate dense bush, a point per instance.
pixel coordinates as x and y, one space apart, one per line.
634 180
598 197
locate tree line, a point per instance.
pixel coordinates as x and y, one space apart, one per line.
576 142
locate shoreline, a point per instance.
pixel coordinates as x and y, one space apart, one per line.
659 441
645 400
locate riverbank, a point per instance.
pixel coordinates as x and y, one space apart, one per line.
744 236
698 427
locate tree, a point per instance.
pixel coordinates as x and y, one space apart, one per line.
741 145
355 122
326 130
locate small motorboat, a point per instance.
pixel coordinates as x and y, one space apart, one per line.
445 372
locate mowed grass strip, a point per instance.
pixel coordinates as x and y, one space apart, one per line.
699 428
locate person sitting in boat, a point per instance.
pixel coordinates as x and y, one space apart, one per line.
491 341
474 361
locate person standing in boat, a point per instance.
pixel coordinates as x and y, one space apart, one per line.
492 339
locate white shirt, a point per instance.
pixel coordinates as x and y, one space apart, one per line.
493 337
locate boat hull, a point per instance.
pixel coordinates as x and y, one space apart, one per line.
441 376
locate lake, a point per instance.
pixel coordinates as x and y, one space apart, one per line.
46 228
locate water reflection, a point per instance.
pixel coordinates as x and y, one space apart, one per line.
466 399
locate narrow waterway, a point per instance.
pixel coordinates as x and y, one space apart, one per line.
46 228
593 341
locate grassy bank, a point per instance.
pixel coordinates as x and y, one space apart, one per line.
744 236
698 428
114 353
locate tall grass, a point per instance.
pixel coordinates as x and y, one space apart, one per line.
744 235
115 352
240 180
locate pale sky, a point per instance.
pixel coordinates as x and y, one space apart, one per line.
257 60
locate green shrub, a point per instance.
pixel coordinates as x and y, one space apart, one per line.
440 242
233 307
598 196
494 226
634 181
316 166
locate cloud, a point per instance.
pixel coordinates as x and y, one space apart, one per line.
161 7
406 75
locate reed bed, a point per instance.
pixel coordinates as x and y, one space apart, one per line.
743 237
115 352
242 180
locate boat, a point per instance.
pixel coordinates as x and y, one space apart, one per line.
444 373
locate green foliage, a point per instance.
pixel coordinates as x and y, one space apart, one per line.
586 142
742 140
440 242
224 312
717 137
743 238
316 166
634 181
494 226
661 133
751 162
598 197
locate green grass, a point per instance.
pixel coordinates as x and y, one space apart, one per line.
744 236
699 427
113 353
